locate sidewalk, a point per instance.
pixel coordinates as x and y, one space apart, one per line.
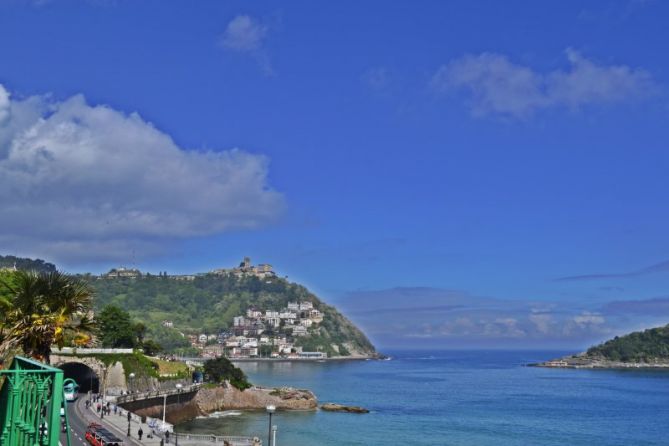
118 423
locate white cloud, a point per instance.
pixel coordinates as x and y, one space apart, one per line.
542 322
499 86
244 34
75 178
587 318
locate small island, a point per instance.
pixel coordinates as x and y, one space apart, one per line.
637 350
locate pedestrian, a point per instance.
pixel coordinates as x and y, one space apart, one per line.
167 437
115 409
140 432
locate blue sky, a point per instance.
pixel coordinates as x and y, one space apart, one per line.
485 147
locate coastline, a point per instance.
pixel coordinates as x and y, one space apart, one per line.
333 359
585 362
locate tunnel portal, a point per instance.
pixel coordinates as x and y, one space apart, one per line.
83 375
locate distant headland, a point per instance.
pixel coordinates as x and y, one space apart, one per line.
648 349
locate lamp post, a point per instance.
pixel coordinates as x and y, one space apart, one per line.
179 387
132 378
164 407
270 410
274 435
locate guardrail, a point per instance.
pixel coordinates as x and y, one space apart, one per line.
30 400
231 440
155 394
90 351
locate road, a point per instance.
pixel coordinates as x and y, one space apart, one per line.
78 427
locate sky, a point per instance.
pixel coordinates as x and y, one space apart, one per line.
505 158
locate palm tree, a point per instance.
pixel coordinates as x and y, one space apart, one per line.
46 309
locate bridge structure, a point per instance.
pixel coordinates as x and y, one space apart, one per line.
30 401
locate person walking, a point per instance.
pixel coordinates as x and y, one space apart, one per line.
140 432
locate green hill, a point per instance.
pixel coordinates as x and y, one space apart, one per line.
208 304
641 346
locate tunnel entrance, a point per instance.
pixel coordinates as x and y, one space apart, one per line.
83 375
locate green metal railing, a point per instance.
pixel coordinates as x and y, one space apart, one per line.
30 401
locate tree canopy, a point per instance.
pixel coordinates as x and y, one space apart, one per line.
640 346
221 369
42 309
115 328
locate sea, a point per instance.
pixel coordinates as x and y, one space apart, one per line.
487 398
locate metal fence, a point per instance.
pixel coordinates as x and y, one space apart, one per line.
222 439
30 400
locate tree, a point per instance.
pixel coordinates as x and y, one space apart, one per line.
43 309
151 347
115 328
221 369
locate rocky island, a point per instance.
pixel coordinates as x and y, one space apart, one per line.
642 349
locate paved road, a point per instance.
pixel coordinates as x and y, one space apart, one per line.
77 428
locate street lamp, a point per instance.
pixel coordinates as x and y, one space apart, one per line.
132 377
179 387
274 435
270 410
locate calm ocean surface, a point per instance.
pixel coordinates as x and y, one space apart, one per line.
460 398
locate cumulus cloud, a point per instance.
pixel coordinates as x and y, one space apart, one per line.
244 34
76 178
498 86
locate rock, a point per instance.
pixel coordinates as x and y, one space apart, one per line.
227 397
332 407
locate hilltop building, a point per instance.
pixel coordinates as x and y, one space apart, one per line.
122 272
245 268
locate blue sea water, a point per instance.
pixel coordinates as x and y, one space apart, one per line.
460 398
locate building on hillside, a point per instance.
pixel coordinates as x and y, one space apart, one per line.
273 321
238 321
293 306
306 322
202 339
168 324
299 330
245 268
316 316
253 313
306 306
122 272
312 355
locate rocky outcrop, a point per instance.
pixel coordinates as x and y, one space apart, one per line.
587 362
207 400
227 397
332 407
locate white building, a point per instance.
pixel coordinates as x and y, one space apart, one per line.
306 306
202 338
238 321
299 330
306 322
293 306
253 313
271 314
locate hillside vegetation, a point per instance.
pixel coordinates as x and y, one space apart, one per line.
26 264
641 346
209 303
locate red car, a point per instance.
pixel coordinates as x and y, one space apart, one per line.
97 435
